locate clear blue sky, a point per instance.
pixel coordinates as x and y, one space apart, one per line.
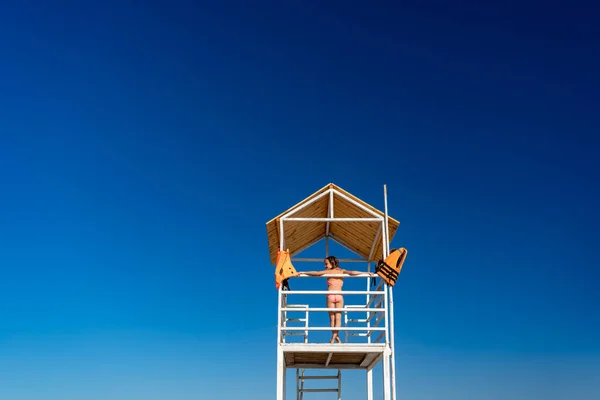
145 145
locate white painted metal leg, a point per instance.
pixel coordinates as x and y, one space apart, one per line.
280 375
392 344
297 384
386 374
391 303
370 384
339 384
284 383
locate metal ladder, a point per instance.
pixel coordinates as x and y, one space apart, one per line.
300 378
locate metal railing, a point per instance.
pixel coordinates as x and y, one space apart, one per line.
371 329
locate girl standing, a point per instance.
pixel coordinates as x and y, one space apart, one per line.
332 266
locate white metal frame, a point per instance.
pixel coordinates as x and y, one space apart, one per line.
379 308
285 308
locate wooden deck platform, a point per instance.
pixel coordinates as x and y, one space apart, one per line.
332 356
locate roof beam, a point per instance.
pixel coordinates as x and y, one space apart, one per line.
292 219
298 259
374 245
329 211
303 206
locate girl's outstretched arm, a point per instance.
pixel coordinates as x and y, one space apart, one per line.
353 272
313 273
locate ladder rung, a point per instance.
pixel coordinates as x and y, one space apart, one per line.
319 377
318 390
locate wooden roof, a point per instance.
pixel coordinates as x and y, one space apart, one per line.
356 236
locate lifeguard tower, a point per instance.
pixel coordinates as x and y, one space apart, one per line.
333 214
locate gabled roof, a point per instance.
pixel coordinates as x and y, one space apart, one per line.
363 238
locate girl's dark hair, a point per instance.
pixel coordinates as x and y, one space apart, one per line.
333 261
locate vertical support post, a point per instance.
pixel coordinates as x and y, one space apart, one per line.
368 299
279 299
284 381
385 291
302 385
280 374
391 302
281 237
329 215
386 373
284 319
386 353
297 383
306 326
331 203
280 358
339 384
329 212
370 384
384 232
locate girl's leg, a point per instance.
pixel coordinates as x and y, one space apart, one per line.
338 316
331 304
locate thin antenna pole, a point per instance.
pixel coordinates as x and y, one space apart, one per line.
391 298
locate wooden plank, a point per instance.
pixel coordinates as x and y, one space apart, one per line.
347 358
360 237
318 209
343 208
368 359
299 232
300 238
336 358
298 235
373 363
357 355
311 358
359 234
289 358
350 241
322 366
